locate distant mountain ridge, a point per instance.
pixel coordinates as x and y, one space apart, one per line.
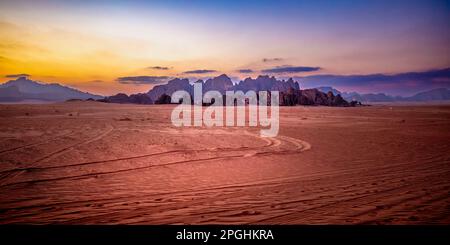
290 92
404 84
430 95
434 94
24 89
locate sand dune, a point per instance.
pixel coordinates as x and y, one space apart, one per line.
94 163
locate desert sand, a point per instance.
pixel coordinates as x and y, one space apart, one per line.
95 163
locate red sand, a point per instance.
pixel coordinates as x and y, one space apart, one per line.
93 163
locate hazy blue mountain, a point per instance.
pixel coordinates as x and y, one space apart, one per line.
25 89
10 94
431 95
398 84
434 94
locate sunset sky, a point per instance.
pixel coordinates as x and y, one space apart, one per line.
107 47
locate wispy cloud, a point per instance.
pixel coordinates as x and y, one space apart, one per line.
158 68
137 80
17 75
245 71
265 60
199 71
290 69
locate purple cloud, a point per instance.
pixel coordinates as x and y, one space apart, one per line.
137 80
199 71
158 67
291 69
17 75
245 71
271 59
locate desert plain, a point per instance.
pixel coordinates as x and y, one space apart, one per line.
98 163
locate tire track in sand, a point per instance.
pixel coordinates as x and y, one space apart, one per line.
273 146
36 143
8 175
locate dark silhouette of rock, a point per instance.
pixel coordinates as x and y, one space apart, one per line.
339 101
169 88
266 83
326 89
122 98
221 83
290 97
73 100
289 91
163 99
311 97
140 99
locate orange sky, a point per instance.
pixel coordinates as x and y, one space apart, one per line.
88 46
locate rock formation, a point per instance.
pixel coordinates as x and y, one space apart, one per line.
290 92
122 98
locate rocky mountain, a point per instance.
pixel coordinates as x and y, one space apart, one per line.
312 97
25 89
221 83
290 93
329 89
266 83
122 98
169 88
